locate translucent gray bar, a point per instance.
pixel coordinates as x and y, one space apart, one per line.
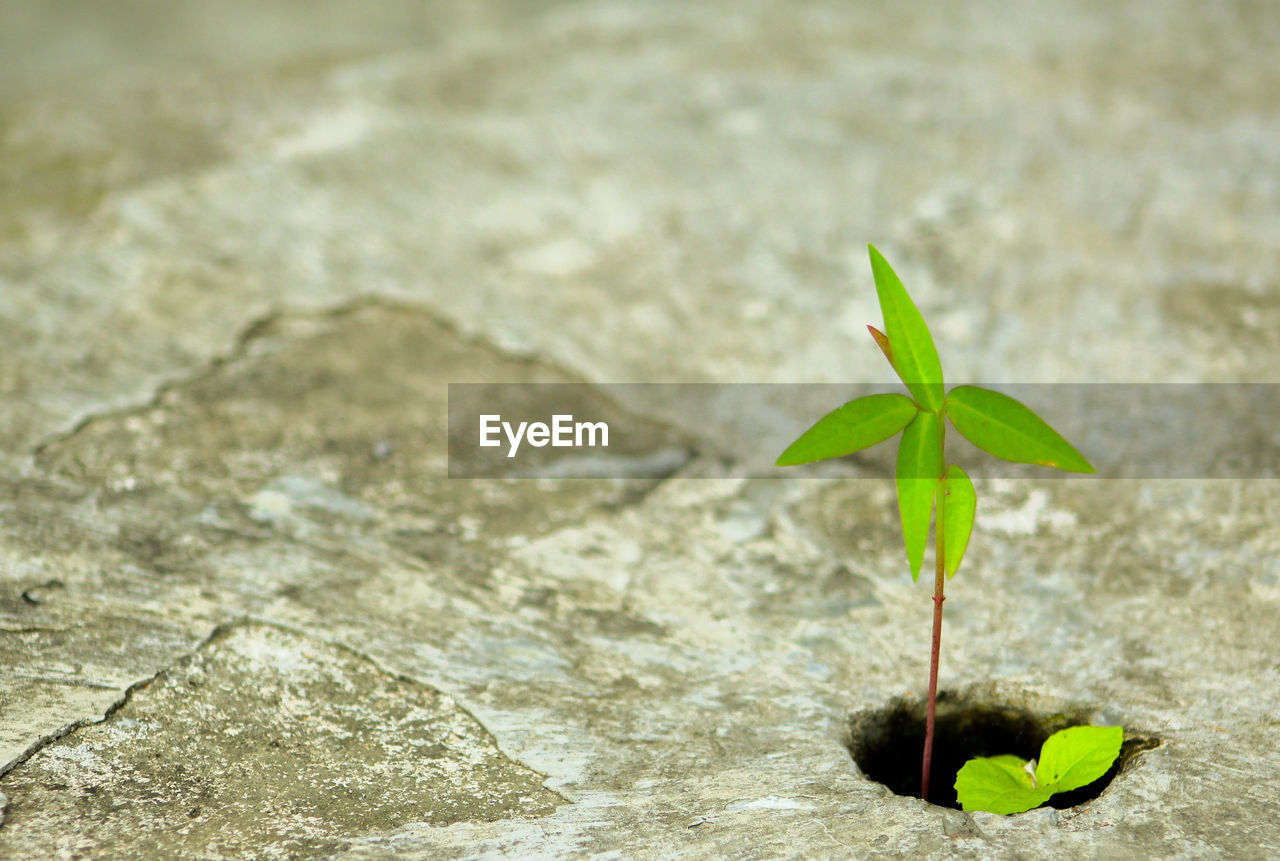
1169 430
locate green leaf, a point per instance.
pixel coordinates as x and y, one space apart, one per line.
1075 757
959 503
998 784
1069 759
913 356
919 468
1000 425
858 424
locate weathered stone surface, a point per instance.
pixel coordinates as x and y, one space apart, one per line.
267 744
232 291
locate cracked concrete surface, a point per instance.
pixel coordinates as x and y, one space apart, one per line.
291 742
237 273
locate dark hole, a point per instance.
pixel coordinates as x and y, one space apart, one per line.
887 743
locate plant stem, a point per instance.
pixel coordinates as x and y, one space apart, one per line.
935 654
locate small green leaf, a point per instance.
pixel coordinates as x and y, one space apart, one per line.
1000 425
1069 759
1075 757
959 501
998 784
913 356
882 341
919 468
858 424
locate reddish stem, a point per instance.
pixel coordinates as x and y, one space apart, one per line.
939 584
935 655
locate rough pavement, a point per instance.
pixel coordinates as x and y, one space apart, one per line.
243 612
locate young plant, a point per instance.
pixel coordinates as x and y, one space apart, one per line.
1069 759
993 422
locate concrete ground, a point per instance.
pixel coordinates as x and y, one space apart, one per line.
245 613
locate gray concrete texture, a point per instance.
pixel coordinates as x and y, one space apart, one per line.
243 612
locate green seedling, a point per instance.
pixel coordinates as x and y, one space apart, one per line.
1069 759
992 421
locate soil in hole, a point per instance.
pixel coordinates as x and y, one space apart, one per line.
887 743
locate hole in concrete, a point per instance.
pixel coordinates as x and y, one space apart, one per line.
887 743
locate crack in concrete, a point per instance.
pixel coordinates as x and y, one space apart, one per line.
56 736
255 329
222 631
259 326
247 335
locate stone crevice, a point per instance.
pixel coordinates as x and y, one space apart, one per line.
219 633
239 346
123 700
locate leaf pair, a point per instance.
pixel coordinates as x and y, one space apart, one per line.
923 482
994 422
1069 759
